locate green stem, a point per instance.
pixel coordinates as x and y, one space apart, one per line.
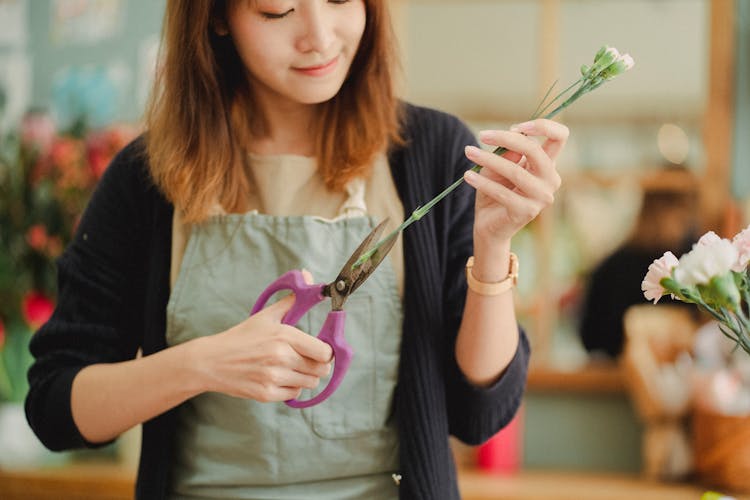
420 212
739 326
546 95
718 317
558 96
744 323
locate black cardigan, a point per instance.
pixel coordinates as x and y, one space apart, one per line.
114 288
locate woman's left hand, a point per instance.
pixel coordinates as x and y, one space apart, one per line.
514 188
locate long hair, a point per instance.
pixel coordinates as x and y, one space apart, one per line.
668 216
199 113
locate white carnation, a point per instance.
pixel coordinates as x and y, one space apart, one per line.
714 257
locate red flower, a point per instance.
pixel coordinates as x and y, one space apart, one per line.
103 145
98 162
37 309
37 237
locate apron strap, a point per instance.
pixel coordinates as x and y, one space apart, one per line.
355 205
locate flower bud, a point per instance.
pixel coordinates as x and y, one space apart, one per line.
585 69
600 52
721 291
602 62
618 67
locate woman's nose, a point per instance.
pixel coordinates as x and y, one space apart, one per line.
317 35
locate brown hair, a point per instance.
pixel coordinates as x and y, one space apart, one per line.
198 114
669 209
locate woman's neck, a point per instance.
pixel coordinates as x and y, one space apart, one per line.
287 129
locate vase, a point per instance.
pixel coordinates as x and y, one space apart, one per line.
19 447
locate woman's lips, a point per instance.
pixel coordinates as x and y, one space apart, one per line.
320 70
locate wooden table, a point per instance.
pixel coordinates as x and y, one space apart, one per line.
549 485
69 482
113 482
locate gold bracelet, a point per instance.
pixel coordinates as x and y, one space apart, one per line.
498 287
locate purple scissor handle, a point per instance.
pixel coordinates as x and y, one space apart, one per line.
306 296
332 333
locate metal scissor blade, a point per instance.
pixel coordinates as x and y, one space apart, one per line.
346 271
368 266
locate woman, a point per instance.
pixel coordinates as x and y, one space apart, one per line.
275 141
666 221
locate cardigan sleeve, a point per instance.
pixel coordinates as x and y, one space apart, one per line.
475 413
96 317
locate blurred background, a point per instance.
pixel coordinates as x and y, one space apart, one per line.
656 158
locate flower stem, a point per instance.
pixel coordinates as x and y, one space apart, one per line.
420 212
587 84
739 325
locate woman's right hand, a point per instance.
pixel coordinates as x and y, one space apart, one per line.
262 358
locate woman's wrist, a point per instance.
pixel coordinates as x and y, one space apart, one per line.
491 260
193 362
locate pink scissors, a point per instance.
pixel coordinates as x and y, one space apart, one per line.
306 296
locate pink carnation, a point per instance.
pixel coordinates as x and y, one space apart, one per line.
709 238
742 243
659 269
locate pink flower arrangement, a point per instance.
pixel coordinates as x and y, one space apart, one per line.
714 276
742 243
48 178
661 268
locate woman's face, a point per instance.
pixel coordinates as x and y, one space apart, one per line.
296 51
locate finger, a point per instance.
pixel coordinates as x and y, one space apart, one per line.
293 379
538 159
311 367
510 172
282 393
307 345
276 311
307 275
518 206
511 156
556 134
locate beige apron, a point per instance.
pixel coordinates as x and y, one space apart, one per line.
343 448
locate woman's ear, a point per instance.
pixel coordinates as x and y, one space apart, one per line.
219 25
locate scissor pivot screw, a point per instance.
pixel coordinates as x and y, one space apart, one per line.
340 285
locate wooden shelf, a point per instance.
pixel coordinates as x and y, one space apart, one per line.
114 482
558 485
593 378
95 481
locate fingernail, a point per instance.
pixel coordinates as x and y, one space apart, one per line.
485 134
472 151
470 175
522 127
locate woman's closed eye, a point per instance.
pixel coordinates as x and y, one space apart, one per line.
276 15
280 15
